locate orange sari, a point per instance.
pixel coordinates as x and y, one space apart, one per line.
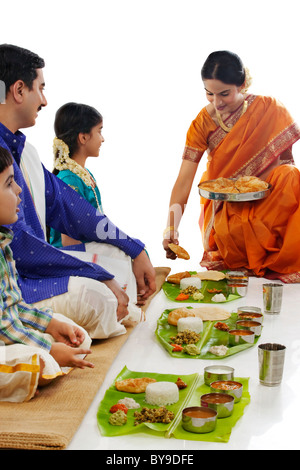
261 236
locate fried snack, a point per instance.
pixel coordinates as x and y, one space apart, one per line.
220 185
221 326
210 275
174 315
176 278
243 184
250 184
179 251
137 385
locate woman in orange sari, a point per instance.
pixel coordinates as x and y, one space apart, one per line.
243 134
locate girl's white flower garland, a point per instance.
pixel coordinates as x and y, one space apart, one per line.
62 161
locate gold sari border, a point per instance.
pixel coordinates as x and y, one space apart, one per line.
192 154
262 159
219 134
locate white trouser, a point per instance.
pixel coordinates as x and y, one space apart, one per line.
20 368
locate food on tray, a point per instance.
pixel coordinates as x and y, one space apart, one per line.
243 184
185 337
119 406
218 350
153 415
130 403
137 385
207 313
190 290
176 278
214 291
190 282
118 418
179 251
210 275
180 383
162 393
220 185
177 347
250 184
218 298
226 385
177 313
191 349
221 326
182 296
190 323
197 296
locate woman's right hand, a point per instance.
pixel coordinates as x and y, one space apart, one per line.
122 298
169 253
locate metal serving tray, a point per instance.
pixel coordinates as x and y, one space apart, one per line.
233 197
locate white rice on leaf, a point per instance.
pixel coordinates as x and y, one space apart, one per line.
162 393
190 323
190 281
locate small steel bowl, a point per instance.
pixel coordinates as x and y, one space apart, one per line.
199 419
236 337
237 275
214 373
252 316
249 309
249 325
223 386
222 403
237 288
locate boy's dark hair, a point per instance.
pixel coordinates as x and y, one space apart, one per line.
6 159
17 63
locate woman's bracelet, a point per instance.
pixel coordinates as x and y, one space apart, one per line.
170 229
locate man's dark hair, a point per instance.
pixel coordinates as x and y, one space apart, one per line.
17 63
6 159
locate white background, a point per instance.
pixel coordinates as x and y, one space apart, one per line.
138 62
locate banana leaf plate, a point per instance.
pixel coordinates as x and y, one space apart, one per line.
210 337
189 396
171 291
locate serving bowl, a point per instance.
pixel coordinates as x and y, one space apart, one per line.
222 403
214 373
237 336
249 309
249 325
253 316
199 419
229 387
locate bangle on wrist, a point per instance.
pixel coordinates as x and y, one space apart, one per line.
171 229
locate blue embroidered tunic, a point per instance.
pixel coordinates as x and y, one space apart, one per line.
44 270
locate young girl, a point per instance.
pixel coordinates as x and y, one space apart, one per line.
78 130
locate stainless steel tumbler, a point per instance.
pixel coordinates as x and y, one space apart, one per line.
271 362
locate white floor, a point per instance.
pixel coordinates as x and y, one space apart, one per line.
269 422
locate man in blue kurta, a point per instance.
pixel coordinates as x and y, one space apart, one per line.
46 274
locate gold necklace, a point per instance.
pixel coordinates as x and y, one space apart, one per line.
220 121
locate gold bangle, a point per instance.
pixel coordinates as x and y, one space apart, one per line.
170 229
